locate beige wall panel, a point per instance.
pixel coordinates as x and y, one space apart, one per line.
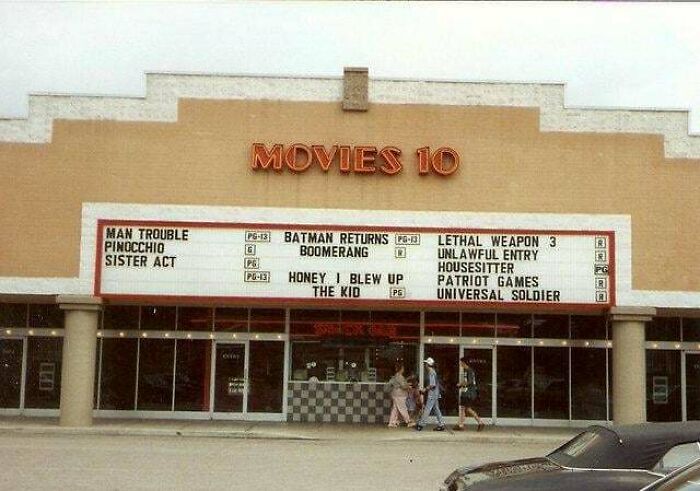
203 159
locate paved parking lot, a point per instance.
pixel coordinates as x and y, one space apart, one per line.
65 461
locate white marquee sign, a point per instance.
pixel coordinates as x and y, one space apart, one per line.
354 264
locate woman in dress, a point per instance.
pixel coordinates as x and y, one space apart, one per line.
399 390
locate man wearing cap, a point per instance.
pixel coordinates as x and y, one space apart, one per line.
432 398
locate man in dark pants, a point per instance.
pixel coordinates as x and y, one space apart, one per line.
432 398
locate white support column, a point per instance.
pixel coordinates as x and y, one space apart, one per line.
629 363
78 368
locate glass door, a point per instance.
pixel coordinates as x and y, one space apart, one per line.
230 374
692 386
481 361
265 377
446 358
10 372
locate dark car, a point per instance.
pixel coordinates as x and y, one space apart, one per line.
601 458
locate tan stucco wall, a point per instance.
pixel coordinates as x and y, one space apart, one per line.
508 165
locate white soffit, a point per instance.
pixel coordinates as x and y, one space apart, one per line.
164 90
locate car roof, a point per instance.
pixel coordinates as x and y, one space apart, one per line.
680 432
638 446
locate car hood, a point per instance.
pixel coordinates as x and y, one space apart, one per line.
471 475
541 474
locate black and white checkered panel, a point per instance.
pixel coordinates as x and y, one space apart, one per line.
333 402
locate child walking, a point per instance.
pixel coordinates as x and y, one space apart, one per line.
414 400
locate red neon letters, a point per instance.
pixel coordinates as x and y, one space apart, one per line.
360 159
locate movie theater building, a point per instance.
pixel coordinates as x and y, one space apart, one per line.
263 248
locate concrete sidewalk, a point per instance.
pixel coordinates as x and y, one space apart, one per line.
286 431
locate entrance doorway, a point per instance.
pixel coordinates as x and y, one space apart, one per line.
247 380
481 361
230 379
692 386
11 355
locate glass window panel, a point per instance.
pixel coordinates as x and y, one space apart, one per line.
195 319
313 322
312 361
663 329
95 385
551 326
10 372
43 379
156 358
513 326
157 318
353 316
611 415
118 378
334 361
231 320
588 327
267 320
588 383
692 383
447 367
663 385
353 321
266 377
551 383
677 457
192 375
354 361
13 315
478 325
481 361
387 356
513 379
121 317
359 326
375 363
407 324
45 315
442 324
691 329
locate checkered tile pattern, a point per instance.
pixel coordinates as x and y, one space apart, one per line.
338 402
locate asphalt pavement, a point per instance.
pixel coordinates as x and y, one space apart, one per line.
327 459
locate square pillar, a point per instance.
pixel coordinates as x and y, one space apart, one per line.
629 363
82 314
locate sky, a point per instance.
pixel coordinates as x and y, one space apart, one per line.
627 55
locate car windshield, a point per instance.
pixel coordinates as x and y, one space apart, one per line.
585 449
580 444
677 457
685 479
690 485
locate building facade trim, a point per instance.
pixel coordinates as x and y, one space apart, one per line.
79 302
632 314
163 91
